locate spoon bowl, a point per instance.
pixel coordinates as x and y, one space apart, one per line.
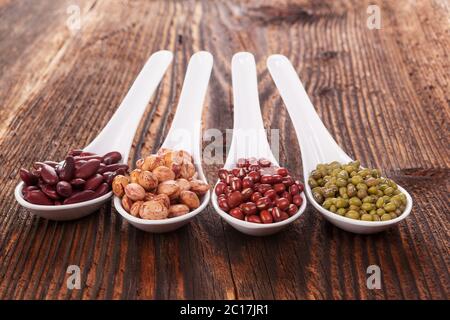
249 139
184 134
117 135
317 144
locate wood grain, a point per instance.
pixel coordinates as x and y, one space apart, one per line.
383 94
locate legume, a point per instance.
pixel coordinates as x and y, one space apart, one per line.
355 192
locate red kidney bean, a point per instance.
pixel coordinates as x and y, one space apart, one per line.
93 182
77 183
112 157
223 204
112 167
220 188
87 169
256 196
248 208
282 171
87 154
67 170
79 163
266 216
253 218
234 199
264 162
57 203
292 210
48 174
263 187
247 182
109 177
223 174
81 196
101 190
300 186
247 193
270 194
279 188
88 157
27 177
266 179
38 197
121 171
254 167
28 189
282 203
75 152
236 184
237 213
297 200
50 191
64 189
288 181
263 203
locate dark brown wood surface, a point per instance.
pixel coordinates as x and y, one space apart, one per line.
383 94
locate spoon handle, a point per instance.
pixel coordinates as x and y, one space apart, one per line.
249 137
317 144
119 132
184 133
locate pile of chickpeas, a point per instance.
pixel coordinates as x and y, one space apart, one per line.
355 192
164 185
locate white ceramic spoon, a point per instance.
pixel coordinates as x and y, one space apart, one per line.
249 139
317 144
184 134
117 135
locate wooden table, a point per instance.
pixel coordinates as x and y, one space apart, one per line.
384 95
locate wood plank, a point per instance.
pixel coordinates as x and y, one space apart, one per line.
383 94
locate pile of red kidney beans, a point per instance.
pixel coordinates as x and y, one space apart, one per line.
81 177
257 191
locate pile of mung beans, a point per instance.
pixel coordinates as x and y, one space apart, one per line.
355 192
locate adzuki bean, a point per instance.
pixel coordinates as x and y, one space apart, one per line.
258 192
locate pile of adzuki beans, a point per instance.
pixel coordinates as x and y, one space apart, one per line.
257 191
81 177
